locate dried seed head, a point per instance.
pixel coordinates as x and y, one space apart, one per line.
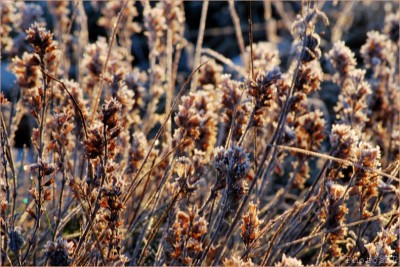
15 239
366 182
76 91
208 128
342 59
265 56
344 140
302 175
27 72
25 16
174 14
236 261
209 74
189 175
183 167
40 39
94 57
184 240
93 61
61 126
368 156
110 113
94 145
58 253
188 119
395 137
289 262
309 129
351 107
110 13
45 168
250 225
233 163
262 88
377 51
135 81
303 27
197 121
382 248
60 10
304 24
112 205
175 19
333 214
312 50
137 152
231 98
8 20
233 166
116 80
264 91
309 77
156 25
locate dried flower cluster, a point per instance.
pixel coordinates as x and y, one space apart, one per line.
185 238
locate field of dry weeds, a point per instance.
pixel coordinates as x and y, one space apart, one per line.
199 133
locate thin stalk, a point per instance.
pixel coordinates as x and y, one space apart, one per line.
143 192
282 118
309 237
250 21
96 205
60 201
278 231
3 135
145 228
321 252
214 236
158 224
170 93
238 31
270 167
359 227
32 240
75 254
248 126
73 100
199 43
16 90
214 54
276 202
271 223
110 45
130 188
275 138
153 200
229 139
335 159
152 168
82 36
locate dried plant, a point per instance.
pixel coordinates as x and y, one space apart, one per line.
287 157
